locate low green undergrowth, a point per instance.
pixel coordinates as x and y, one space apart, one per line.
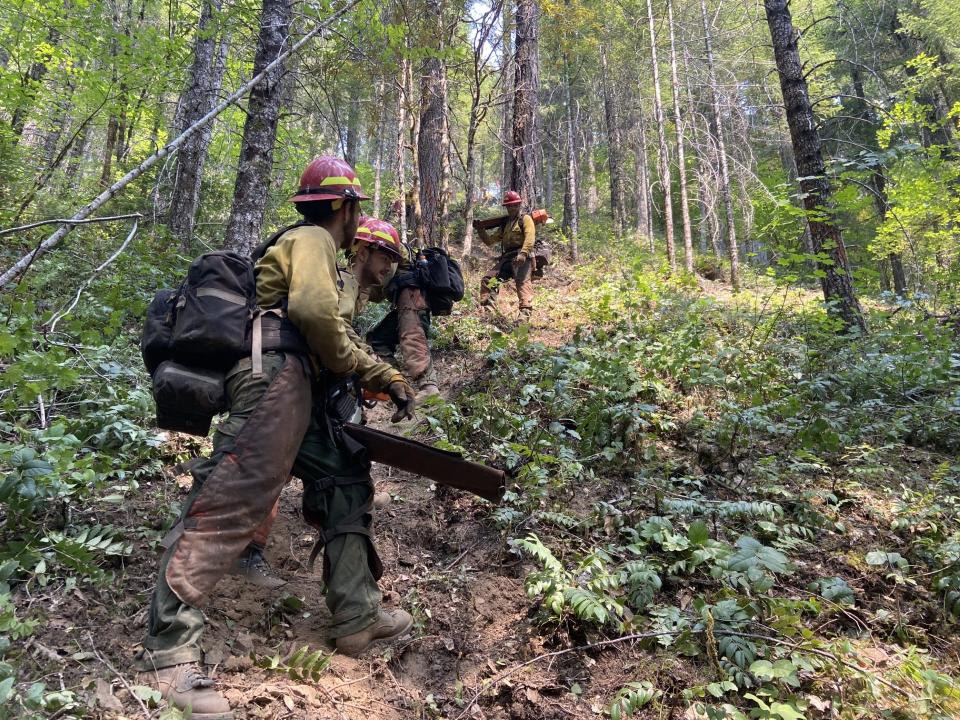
694 471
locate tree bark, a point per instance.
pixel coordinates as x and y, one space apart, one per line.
526 93
680 126
663 157
380 140
506 119
644 221
593 194
717 127
827 239
199 98
400 172
259 132
614 147
571 191
433 139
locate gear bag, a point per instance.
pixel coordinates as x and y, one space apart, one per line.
542 254
193 335
438 275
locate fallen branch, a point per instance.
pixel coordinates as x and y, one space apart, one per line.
123 681
51 242
63 313
64 221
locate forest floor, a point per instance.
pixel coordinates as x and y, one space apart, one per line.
479 647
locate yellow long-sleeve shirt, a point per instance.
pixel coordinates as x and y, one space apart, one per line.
519 234
302 267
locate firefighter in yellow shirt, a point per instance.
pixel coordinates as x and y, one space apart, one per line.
279 423
516 237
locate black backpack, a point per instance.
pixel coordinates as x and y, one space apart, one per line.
438 275
194 334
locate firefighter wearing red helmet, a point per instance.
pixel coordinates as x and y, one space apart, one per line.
279 423
516 237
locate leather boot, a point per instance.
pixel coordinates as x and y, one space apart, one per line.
390 625
253 568
427 390
381 500
188 689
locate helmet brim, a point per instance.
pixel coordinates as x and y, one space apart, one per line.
515 202
310 197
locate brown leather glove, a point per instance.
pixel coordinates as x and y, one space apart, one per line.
520 259
403 397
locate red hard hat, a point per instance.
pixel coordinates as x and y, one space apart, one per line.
511 197
381 234
329 178
363 229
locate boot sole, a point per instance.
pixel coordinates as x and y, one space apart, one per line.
207 716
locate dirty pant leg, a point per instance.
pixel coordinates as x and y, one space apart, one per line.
175 626
385 336
522 277
413 317
262 533
499 273
338 491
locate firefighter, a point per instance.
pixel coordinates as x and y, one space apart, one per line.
373 259
272 430
407 326
516 238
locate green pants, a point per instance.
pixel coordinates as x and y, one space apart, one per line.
336 500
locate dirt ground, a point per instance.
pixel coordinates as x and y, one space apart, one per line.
473 652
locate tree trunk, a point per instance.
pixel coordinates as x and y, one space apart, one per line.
662 153
526 92
469 184
593 194
548 171
416 210
642 226
380 141
717 126
681 155
259 132
506 119
199 98
433 139
835 277
571 191
106 167
352 135
614 147
400 173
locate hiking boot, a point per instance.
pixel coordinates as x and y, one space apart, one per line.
253 568
427 390
390 625
524 316
381 500
188 689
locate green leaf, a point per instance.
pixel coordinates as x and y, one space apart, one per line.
698 533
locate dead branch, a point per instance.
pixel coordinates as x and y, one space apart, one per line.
109 218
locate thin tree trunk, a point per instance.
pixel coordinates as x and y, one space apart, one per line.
571 192
400 167
416 209
380 141
663 156
106 167
259 132
681 155
835 277
469 185
199 97
506 119
593 194
614 147
642 172
525 104
717 123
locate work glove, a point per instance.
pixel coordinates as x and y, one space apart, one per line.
402 395
520 259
